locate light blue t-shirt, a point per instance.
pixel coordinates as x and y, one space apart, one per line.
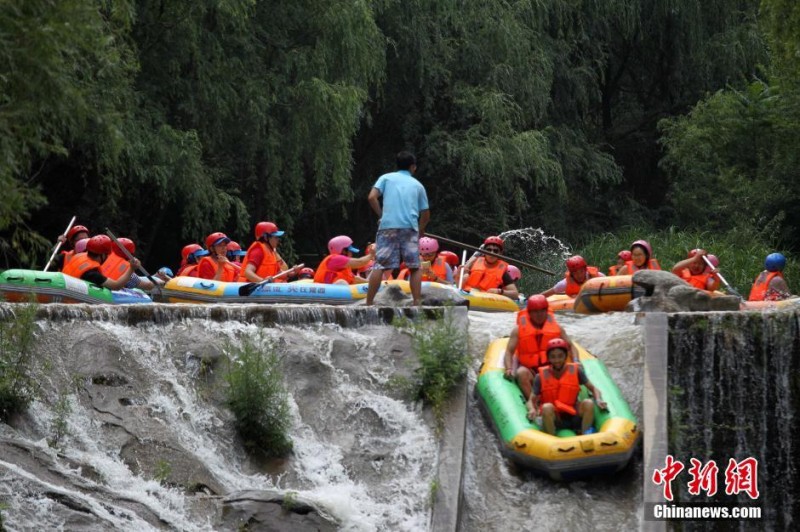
403 199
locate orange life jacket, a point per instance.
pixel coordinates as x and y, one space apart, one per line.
228 275
532 341
438 270
190 270
561 392
652 264
80 264
573 287
484 277
612 270
269 265
761 285
326 276
67 257
114 266
700 280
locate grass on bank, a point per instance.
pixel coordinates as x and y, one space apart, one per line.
258 398
442 361
17 342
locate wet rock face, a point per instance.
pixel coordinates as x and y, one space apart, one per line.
270 510
432 296
666 292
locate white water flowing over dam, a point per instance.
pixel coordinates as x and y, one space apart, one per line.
147 443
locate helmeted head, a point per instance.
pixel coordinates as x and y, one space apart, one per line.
450 258
713 260
428 245
575 263
166 272
99 245
557 351
215 239
775 262
514 273
75 232
625 255
641 252
189 248
80 245
537 302
233 250
494 241
267 229
127 243
693 253
339 244
306 273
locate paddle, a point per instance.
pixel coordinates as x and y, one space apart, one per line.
479 250
721 278
249 288
156 288
59 243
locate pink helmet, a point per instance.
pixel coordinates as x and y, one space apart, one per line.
624 255
80 245
645 245
713 260
575 263
338 244
428 245
514 272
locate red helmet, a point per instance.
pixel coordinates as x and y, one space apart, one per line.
268 228
693 253
537 302
233 249
557 343
575 263
75 230
514 272
129 245
233 246
449 257
99 245
428 245
624 255
306 273
189 248
216 238
494 240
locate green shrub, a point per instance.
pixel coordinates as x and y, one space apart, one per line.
17 342
443 359
258 399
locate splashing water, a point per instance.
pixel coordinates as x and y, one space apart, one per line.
533 246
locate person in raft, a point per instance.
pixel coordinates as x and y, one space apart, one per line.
489 273
306 273
234 252
190 256
555 393
622 257
527 345
75 233
337 267
770 284
641 259
433 265
262 260
216 265
578 272
87 266
116 265
695 271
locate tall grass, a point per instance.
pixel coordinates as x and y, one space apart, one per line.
258 398
17 342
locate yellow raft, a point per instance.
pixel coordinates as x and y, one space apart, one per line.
563 456
605 294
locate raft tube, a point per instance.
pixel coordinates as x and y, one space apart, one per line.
20 286
565 456
606 294
560 302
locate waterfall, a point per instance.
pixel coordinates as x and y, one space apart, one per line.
734 392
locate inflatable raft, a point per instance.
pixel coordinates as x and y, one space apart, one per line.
19 286
606 294
566 455
560 302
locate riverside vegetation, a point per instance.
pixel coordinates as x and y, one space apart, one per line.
18 387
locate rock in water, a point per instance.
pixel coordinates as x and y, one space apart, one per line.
432 296
666 292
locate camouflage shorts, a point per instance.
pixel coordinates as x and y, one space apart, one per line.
396 245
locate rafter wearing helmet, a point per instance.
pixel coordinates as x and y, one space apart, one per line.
489 273
87 265
578 272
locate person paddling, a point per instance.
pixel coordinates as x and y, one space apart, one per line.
262 259
694 270
76 233
87 266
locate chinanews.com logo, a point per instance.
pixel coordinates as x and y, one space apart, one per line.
740 477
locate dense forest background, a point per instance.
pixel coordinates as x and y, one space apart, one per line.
167 120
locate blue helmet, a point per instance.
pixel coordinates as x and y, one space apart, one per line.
775 262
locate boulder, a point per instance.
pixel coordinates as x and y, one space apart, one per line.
666 292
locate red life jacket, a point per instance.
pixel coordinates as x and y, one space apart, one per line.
532 341
761 285
80 264
114 266
561 392
573 287
326 276
228 275
484 277
269 264
699 280
652 264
